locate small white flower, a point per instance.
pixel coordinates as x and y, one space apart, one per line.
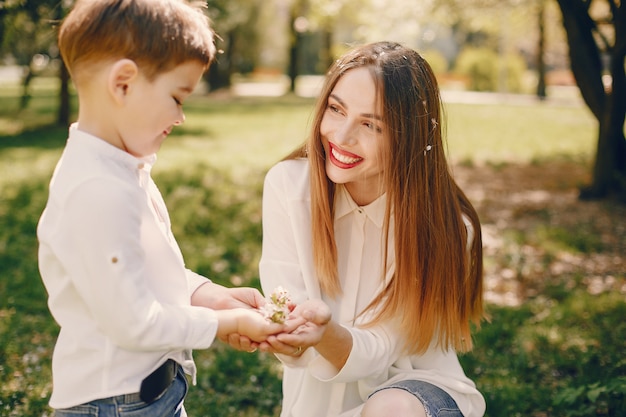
276 308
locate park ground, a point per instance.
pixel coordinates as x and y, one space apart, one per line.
555 286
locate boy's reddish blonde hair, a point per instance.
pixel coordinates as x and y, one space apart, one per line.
157 34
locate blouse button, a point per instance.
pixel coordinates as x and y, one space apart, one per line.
140 165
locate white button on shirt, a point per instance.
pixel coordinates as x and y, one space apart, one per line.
312 387
115 276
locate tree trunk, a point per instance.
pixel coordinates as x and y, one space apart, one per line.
328 57
219 74
541 62
294 48
608 107
63 118
26 79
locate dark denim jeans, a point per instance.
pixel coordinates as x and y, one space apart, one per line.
170 404
437 402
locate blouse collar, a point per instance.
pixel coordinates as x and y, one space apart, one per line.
344 205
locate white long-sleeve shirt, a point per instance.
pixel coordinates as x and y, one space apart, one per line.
115 276
312 387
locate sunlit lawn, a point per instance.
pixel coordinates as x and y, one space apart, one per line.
210 172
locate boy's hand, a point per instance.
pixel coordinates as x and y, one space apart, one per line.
244 343
244 297
249 323
218 297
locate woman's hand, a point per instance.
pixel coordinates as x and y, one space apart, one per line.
314 315
243 343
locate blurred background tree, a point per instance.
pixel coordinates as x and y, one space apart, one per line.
237 24
507 46
596 33
27 38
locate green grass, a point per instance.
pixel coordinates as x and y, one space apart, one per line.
559 354
498 133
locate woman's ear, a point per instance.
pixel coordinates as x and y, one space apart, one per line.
121 77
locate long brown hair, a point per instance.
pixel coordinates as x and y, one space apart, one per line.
436 291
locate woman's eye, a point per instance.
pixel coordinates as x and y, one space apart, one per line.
373 126
178 102
333 108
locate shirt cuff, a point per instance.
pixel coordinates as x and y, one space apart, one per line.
301 361
194 281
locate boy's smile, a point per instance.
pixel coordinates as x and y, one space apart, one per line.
156 106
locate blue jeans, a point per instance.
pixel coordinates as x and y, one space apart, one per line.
170 404
437 402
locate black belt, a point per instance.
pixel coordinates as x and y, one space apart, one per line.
154 385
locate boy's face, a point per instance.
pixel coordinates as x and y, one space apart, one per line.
154 107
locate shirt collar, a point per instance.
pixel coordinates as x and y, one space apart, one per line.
344 205
80 138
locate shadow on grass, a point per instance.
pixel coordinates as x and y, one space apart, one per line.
559 352
42 137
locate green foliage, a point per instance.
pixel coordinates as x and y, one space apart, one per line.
220 222
515 68
559 354
232 383
599 397
27 332
26 28
436 60
562 358
481 66
487 71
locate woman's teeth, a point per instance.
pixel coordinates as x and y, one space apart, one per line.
343 158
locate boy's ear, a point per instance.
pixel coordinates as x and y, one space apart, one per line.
121 77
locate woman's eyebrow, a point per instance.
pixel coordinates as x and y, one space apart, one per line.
368 115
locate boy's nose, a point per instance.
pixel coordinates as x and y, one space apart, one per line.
181 119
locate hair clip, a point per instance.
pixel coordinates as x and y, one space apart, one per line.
427 148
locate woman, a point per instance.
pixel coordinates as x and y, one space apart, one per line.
365 223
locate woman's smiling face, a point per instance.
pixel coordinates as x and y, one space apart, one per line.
352 135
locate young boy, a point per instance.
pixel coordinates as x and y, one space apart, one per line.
129 311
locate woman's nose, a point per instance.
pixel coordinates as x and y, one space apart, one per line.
345 134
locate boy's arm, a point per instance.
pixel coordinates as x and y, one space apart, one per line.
246 322
218 297
105 258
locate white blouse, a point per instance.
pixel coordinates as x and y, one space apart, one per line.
311 385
